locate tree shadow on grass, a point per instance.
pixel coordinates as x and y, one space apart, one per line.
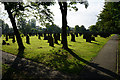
93 65
61 63
23 69
95 43
11 70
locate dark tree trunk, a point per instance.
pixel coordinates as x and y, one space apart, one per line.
63 8
12 19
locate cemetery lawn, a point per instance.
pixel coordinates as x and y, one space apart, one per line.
56 57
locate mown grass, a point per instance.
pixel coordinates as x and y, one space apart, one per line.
56 57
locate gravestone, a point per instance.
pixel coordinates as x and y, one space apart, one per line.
72 37
41 34
95 34
10 36
55 37
3 42
84 36
27 39
30 34
39 37
88 37
93 38
36 34
58 36
45 37
50 40
80 34
6 37
76 34
13 39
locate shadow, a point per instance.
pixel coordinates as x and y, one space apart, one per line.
24 69
11 70
69 45
93 65
78 42
95 43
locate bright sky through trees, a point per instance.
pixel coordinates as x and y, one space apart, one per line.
83 16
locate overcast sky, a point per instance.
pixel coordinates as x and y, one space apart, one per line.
83 16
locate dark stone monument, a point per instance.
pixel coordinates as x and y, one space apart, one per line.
93 38
55 37
13 39
76 34
36 34
88 37
84 36
95 34
72 37
10 36
27 39
58 36
80 34
39 37
45 37
50 40
3 42
30 34
6 37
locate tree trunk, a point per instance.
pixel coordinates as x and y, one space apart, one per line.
63 8
19 40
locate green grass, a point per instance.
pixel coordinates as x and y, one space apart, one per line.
56 57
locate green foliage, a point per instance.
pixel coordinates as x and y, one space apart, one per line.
80 29
108 20
33 23
93 28
53 28
5 27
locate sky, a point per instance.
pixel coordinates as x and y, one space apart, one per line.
83 16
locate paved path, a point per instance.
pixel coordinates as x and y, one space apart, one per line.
103 66
105 62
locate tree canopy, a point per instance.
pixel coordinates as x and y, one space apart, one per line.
109 18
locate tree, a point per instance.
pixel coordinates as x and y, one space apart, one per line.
82 29
53 28
93 28
13 9
77 29
33 23
22 25
5 27
63 8
108 19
